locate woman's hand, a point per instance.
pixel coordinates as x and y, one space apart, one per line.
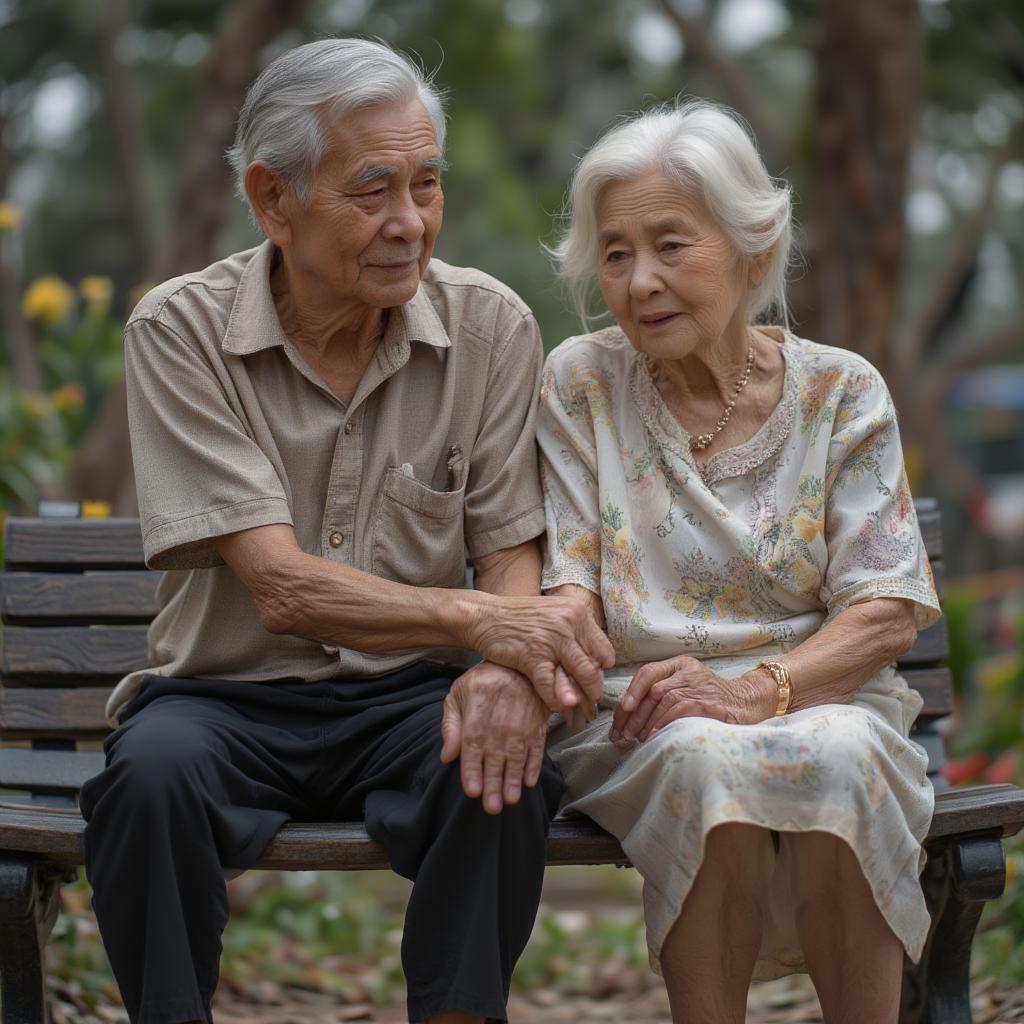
684 687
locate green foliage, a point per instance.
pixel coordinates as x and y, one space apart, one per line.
80 358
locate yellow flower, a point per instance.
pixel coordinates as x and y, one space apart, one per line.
68 397
34 406
136 294
10 216
96 291
48 299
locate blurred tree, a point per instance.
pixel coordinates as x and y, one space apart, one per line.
897 123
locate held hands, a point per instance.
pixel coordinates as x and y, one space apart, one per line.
495 721
683 687
555 643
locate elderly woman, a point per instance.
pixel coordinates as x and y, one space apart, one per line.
731 500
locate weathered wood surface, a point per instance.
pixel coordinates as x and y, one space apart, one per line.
74 714
41 656
68 545
78 599
56 836
48 771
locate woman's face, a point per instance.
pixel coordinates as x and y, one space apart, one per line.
668 273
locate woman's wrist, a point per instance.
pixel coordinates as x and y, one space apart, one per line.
761 696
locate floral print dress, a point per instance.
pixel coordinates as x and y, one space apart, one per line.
735 563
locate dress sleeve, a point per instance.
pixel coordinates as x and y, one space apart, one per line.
568 462
874 542
198 473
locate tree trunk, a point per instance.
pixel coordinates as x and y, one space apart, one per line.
104 468
869 61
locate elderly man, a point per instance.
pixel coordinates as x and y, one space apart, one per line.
321 427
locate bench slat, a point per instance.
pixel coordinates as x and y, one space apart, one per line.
932 645
41 656
57 837
75 714
78 599
67 545
48 771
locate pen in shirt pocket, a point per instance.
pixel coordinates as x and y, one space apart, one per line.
455 458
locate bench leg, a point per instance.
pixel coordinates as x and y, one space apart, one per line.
29 903
957 880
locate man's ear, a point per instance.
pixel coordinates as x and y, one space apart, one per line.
268 196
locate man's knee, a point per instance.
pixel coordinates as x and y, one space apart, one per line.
155 759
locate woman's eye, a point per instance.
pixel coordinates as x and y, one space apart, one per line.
672 246
615 256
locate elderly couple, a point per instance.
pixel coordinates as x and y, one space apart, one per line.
720 525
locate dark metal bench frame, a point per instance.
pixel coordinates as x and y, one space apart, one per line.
75 599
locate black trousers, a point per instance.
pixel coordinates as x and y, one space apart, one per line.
200 775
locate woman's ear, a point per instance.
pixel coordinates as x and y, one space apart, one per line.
758 266
267 195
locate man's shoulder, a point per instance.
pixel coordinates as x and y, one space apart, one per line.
473 292
207 293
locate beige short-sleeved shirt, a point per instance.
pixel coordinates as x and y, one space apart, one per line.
231 429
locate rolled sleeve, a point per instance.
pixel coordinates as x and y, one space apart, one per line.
198 473
504 506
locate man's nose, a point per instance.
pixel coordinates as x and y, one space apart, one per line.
404 222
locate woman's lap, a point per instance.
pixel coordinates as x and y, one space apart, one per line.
842 769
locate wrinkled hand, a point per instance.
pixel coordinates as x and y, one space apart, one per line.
494 720
554 642
681 687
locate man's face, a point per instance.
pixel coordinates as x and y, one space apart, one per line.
368 231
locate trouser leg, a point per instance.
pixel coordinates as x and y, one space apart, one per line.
477 876
176 803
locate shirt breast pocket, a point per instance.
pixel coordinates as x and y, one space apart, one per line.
419 533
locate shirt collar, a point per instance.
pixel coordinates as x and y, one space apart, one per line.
253 324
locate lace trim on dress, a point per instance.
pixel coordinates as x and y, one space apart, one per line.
556 577
668 432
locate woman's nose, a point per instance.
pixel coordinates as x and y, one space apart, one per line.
645 281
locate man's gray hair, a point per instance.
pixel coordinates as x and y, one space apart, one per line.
286 119
707 149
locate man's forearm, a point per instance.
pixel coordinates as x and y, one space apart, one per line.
514 572
312 597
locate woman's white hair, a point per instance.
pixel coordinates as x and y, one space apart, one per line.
286 119
707 149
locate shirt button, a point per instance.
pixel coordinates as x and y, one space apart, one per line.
336 539
348 428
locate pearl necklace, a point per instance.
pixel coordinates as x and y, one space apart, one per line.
701 441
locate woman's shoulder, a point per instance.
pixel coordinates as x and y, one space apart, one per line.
815 358
599 351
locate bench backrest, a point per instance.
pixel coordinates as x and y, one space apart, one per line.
75 601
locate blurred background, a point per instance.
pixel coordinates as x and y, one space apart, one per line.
900 124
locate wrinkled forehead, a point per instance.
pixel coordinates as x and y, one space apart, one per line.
651 199
381 135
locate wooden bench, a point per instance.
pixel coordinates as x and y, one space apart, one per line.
75 600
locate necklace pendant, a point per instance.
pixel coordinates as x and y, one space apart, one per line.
700 442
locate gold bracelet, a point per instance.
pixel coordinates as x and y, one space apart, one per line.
783 681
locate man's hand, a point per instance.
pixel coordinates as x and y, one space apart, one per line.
495 721
554 642
684 687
